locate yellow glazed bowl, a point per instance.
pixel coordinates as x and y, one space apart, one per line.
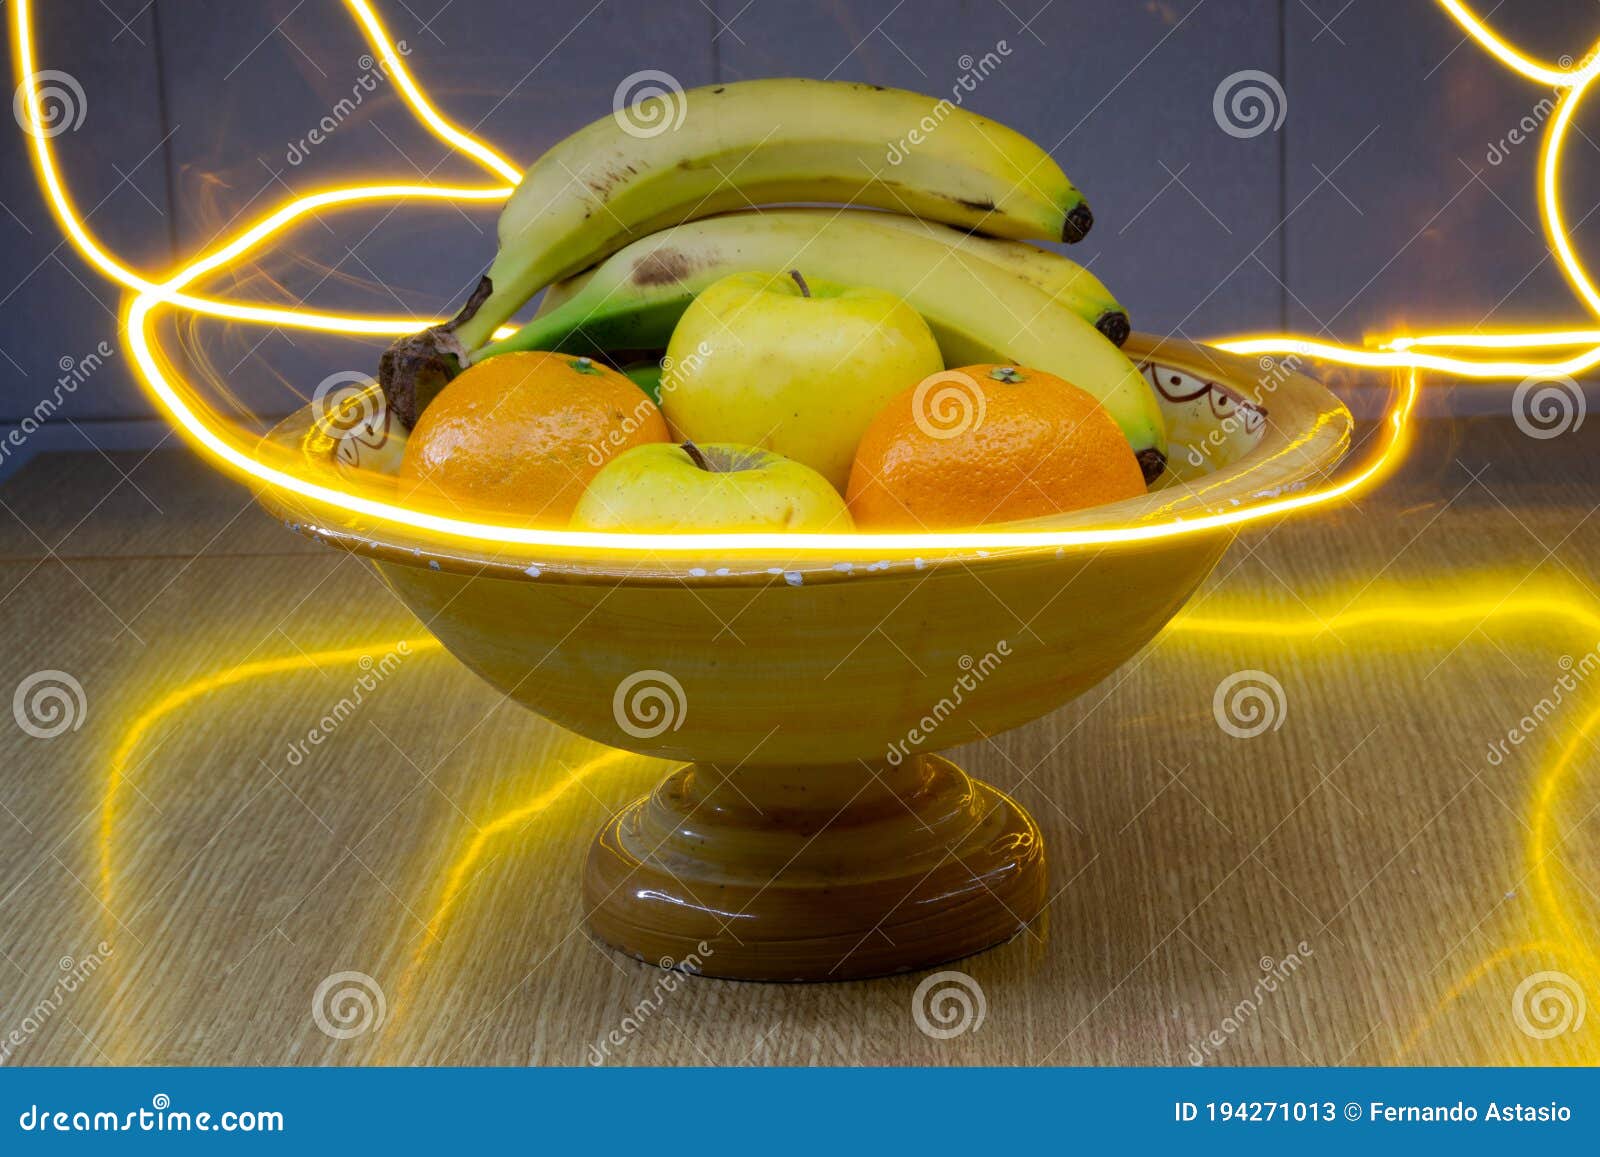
819 684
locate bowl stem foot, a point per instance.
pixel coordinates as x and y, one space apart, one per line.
815 873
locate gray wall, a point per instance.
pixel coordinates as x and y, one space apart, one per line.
1374 204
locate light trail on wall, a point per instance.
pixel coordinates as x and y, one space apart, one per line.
1573 83
241 455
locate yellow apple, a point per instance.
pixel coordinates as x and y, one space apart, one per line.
768 360
722 486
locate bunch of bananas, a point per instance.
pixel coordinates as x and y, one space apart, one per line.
664 214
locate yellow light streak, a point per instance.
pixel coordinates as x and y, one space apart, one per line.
1497 341
1550 193
1422 613
65 211
1400 353
383 45
187 693
1502 51
1560 934
461 872
465 867
1557 607
240 456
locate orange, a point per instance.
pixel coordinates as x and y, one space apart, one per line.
522 434
988 444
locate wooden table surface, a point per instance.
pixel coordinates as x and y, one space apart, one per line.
1372 880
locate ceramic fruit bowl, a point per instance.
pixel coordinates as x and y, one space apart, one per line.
813 833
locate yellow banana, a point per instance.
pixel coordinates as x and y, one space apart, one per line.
677 156
978 310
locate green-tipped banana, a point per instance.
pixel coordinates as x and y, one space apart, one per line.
677 156
978 310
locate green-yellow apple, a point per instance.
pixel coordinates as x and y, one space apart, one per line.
721 486
768 360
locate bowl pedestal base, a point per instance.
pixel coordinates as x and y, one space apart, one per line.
814 873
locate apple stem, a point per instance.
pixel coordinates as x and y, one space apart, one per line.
697 456
805 290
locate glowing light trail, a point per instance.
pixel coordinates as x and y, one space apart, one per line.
1502 51
144 723
383 45
241 457
1422 619
76 228
1576 83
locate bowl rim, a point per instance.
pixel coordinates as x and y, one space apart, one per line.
1306 432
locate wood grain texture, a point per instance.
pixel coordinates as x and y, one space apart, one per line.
1367 852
